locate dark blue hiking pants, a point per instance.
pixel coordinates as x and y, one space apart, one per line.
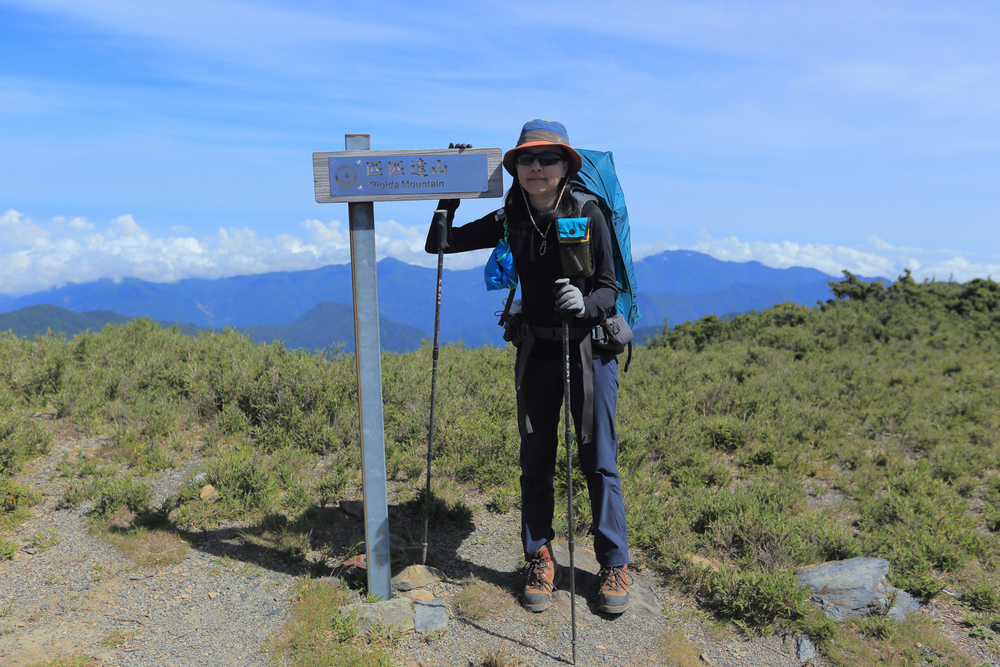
539 406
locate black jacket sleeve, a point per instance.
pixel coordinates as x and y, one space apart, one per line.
600 291
485 232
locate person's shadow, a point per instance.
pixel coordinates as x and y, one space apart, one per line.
328 542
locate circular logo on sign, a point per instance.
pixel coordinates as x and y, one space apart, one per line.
345 176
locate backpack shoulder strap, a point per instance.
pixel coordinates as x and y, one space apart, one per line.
505 315
582 195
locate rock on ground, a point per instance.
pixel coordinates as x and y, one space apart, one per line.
856 587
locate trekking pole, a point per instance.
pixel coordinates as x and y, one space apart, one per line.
569 474
439 224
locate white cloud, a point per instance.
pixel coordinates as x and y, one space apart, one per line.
827 258
16 230
33 259
325 233
128 227
882 259
640 251
35 255
80 225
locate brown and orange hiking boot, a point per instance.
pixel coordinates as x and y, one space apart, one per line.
613 596
543 576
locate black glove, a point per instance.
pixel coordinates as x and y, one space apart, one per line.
450 205
439 233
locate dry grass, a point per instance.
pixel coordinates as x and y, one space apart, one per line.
497 658
123 518
151 548
852 648
45 539
677 651
74 661
479 600
119 638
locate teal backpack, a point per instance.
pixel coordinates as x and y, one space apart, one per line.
597 177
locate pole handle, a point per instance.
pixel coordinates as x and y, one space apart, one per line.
440 222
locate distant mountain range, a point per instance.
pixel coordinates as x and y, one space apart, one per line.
27 322
327 326
312 309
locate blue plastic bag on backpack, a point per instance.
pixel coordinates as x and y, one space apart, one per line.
500 271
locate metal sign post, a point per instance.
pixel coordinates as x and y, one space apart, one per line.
360 176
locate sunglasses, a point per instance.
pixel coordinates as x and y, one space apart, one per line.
544 159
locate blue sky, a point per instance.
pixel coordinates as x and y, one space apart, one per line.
166 140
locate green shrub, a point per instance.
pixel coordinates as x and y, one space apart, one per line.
919 523
14 496
318 633
242 476
14 500
755 599
817 625
7 548
876 626
144 454
330 487
725 432
505 498
693 468
992 518
983 597
123 493
446 506
20 440
76 493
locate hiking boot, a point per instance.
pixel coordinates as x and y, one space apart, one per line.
543 575
613 597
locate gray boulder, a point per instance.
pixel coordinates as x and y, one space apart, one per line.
805 649
856 587
396 613
429 616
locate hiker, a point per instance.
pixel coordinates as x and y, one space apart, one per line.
541 165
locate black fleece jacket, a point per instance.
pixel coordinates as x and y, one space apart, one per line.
537 273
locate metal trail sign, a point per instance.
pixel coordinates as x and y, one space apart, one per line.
370 176
360 176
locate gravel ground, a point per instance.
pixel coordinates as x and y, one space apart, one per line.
223 604
83 596
631 639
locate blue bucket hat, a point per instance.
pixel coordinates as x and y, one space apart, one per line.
543 133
